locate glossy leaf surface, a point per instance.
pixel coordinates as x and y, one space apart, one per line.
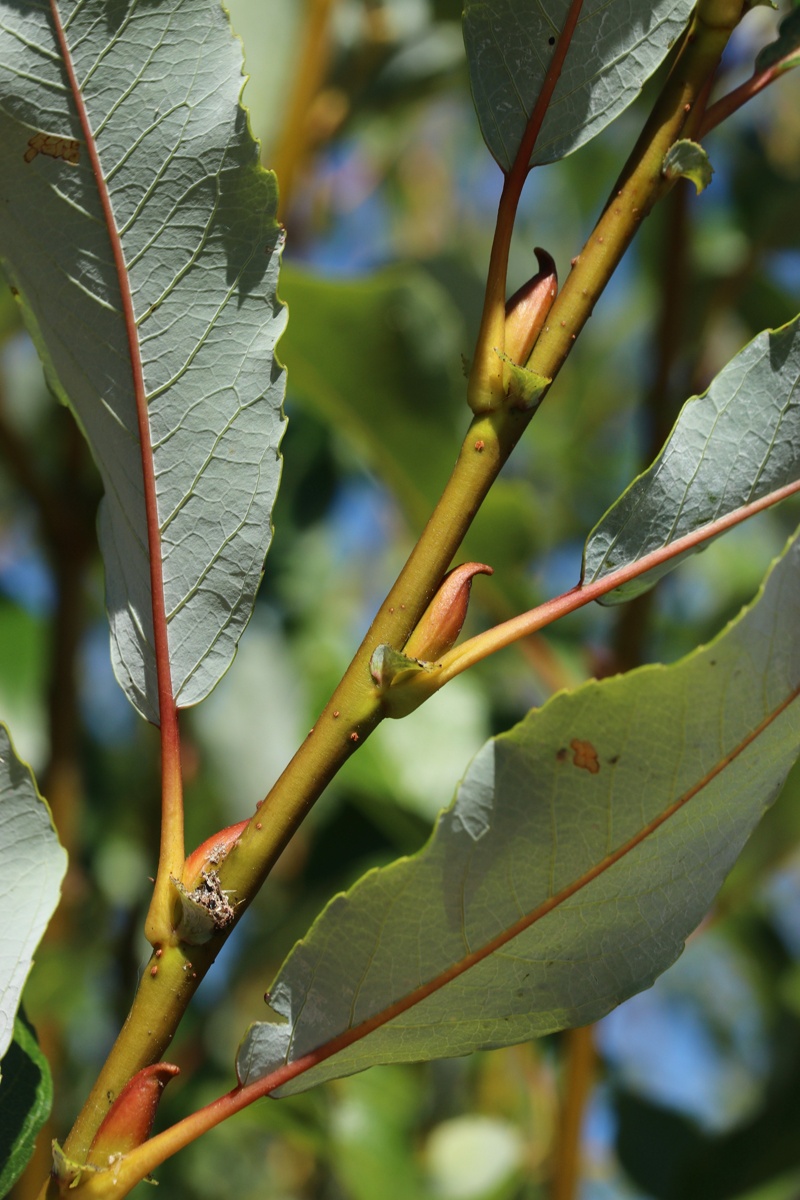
732 449
26 1097
582 848
616 47
32 865
138 231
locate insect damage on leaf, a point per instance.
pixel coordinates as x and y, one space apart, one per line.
585 756
54 147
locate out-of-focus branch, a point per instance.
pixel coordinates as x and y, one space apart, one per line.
578 1077
297 135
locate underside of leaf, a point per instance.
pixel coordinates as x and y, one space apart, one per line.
139 233
733 450
581 850
617 45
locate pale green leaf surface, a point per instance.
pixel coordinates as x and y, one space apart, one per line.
194 215
688 159
32 865
551 891
617 46
26 1097
784 52
733 446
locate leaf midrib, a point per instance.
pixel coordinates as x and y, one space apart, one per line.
157 603
342 1041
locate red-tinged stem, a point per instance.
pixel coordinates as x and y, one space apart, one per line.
724 107
133 1167
172 852
484 644
486 391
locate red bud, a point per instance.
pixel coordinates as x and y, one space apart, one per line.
441 622
211 853
527 309
130 1119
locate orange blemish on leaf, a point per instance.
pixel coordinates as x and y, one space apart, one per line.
54 147
585 756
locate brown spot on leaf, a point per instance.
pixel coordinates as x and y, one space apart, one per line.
54 147
585 756
561 755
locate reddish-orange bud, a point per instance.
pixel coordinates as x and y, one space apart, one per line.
211 853
441 622
130 1119
527 309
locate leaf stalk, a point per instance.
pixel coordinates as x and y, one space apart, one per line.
486 388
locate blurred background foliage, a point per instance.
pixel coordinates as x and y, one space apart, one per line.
691 1089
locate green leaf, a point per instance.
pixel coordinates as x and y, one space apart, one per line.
377 359
688 159
784 53
32 865
616 47
733 451
26 1097
582 848
139 233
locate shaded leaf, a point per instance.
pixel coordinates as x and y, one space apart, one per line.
734 448
616 47
784 53
32 865
139 233
688 159
26 1097
582 848
377 359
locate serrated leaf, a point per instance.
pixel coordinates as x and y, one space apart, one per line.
582 848
32 865
26 1097
784 53
139 233
688 159
732 451
616 47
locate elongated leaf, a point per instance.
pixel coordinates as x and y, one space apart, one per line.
138 231
583 846
26 1097
733 450
617 46
32 865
